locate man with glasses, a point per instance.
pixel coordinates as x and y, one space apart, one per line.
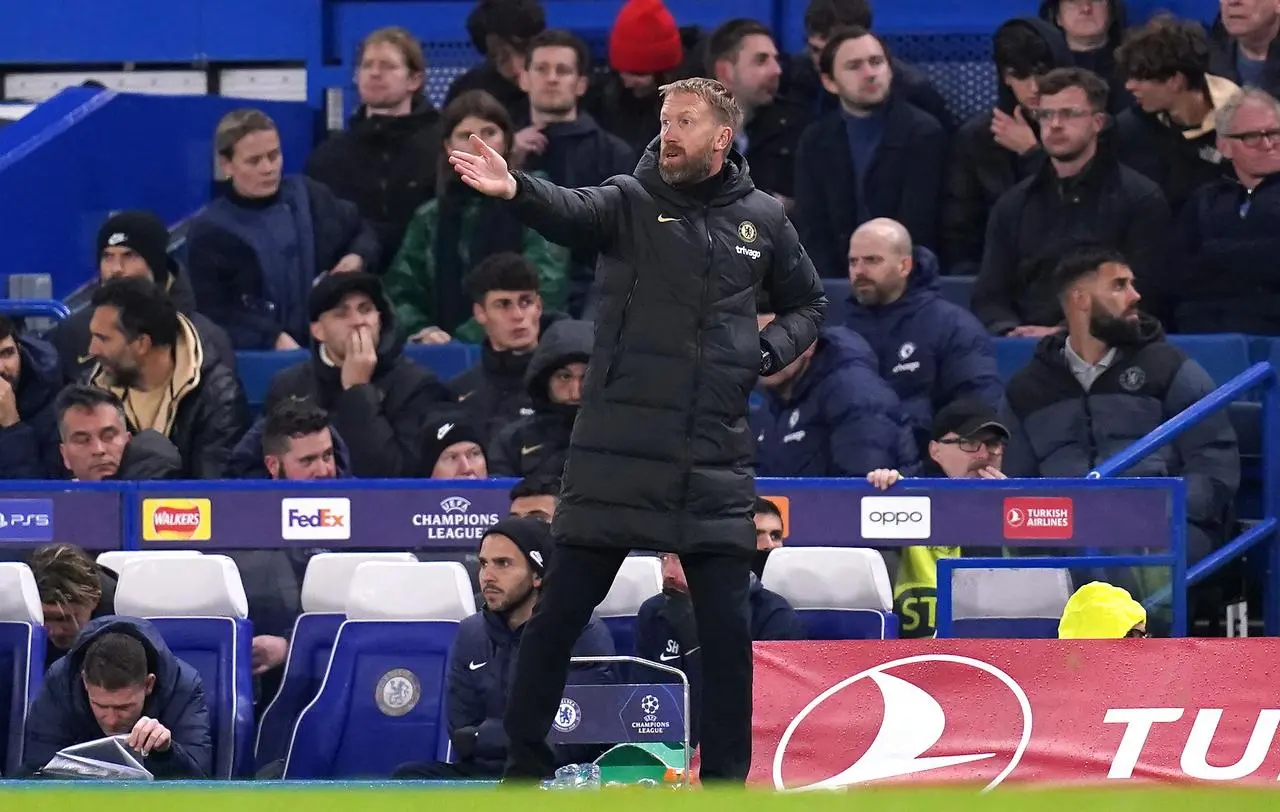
1226 246
968 443
1083 195
1168 134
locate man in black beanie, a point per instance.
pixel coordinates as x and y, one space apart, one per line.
514 554
135 243
376 398
451 450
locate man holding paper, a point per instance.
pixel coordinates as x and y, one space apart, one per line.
120 679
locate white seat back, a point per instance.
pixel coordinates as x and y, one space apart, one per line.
638 580
829 578
199 586
1009 593
117 560
19 599
328 578
398 590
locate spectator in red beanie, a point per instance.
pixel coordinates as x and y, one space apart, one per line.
646 49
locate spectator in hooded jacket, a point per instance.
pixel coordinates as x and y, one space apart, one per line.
500 30
994 150
539 442
931 351
376 398
803 81
1228 239
1109 382
386 160
506 303
255 252
514 555
458 230
74 590
666 632
564 142
877 157
646 50
1083 195
166 374
1168 134
1244 45
134 243
96 444
121 679
829 413
30 380
450 449
1093 30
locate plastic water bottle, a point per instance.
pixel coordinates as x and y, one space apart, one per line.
574 777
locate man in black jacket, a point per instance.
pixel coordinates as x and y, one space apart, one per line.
376 398
660 457
134 243
96 444
538 443
166 374
385 161
878 156
997 148
505 302
1082 195
1245 44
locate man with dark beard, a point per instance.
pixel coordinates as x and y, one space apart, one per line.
513 557
660 457
1082 195
29 384
1112 379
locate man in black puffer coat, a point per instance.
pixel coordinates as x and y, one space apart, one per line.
660 456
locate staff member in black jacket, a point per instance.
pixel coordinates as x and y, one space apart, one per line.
660 456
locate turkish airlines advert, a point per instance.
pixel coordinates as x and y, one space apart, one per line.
995 712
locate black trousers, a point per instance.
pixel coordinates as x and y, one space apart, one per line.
577 580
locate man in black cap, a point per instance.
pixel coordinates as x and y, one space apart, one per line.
514 554
968 442
451 450
134 243
376 398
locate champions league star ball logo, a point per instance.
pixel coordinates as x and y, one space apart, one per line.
650 706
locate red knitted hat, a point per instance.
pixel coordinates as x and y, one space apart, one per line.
645 39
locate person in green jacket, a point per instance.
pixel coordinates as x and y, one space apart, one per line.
453 232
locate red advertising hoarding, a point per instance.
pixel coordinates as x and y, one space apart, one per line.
992 712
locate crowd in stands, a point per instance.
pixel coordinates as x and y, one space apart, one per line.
1119 190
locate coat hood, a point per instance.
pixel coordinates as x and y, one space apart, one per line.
160 660
837 347
40 378
1051 35
735 179
567 341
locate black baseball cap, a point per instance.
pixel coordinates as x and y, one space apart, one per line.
966 418
329 288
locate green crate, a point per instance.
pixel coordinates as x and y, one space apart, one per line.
629 763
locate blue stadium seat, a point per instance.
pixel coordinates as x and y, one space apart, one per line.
1222 356
21 659
639 579
256 368
1008 603
324 609
382 701
445 360
1012 354
840 593
957 289
838 292
199 607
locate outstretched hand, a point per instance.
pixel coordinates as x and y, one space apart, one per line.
485 171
